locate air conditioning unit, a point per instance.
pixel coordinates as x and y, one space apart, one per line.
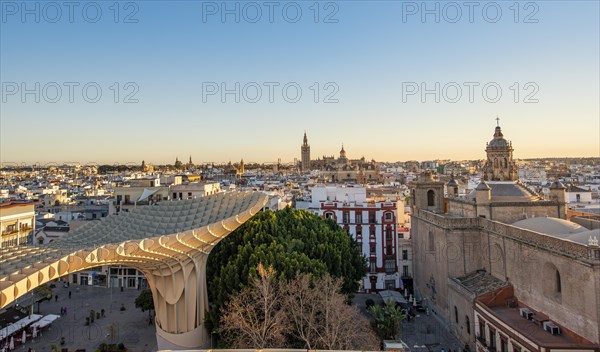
551 328
526 313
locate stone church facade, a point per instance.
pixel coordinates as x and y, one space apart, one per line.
483 259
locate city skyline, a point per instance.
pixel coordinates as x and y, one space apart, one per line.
365 72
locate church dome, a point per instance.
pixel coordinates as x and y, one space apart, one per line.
584 237
506 191
552 226
498 141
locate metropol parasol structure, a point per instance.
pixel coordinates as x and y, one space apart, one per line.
169 242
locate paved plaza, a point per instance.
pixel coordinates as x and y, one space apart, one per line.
425 333
130 327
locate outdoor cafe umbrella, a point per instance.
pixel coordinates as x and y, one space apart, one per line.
24 337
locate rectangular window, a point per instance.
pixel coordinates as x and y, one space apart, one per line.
482 330
372 265
390 266
358 217
503 344
372 218
373 249
345 217
388 234
405 254
405 271
492 338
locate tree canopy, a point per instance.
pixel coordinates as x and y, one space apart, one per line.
388 320
290 241
305 312
144 301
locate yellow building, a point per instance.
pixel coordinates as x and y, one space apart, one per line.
17 223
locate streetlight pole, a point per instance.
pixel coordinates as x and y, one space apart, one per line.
110 284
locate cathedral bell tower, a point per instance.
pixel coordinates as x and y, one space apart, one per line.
305 155
499 165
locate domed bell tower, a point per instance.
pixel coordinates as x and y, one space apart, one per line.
499 165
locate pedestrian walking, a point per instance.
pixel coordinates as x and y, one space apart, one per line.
69 294
56 298
61 310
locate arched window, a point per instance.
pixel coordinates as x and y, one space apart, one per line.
505 163
430 198
495 163
455 315
551 282
468 324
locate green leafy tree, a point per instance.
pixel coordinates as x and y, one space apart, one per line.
388 320
292 242
144 301
43 292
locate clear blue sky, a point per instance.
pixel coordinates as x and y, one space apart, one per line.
372 53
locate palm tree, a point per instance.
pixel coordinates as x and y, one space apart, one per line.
388 320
